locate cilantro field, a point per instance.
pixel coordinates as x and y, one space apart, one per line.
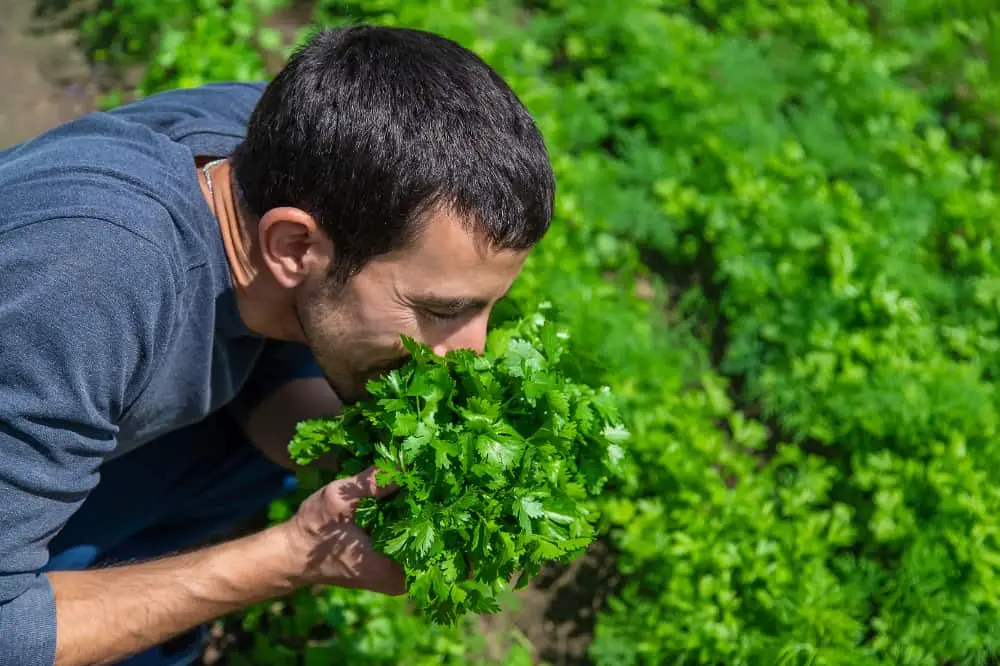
777 244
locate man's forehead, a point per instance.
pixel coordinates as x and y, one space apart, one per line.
451 240
445 231
450 268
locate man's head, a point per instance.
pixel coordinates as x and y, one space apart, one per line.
396 184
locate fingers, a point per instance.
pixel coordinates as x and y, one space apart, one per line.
367 481
376 571
386 575
355 488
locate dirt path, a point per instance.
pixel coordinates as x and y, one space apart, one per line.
44 80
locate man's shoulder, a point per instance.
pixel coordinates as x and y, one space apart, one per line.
155 136
208 119
86 262
132 166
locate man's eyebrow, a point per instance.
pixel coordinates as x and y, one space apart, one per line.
451 304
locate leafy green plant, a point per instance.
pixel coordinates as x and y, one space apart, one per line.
775 241
497 455
317 626
180 43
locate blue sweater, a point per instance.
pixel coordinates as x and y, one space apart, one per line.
117 321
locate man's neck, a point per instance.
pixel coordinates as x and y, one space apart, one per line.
216 183
237 238
259 301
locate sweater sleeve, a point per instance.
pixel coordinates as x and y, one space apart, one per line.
82 305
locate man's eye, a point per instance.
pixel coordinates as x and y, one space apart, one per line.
440 316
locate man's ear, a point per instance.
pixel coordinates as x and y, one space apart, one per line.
292 245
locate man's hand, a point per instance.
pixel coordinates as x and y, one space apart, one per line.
334 550
105 615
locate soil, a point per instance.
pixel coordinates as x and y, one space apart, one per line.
558 610
44 78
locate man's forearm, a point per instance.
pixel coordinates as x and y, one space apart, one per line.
105 615
270 426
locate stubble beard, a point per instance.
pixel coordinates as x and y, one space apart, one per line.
327 366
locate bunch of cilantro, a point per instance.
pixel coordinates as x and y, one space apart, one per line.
498 456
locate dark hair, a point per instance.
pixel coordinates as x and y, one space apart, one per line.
368 128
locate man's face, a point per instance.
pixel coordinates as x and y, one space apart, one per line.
440 292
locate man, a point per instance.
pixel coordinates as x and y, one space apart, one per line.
185 278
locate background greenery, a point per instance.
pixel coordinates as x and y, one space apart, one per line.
776 239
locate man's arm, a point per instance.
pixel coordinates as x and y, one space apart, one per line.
83 304
271 425
286 388
106 615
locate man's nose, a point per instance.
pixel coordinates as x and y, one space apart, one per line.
471 334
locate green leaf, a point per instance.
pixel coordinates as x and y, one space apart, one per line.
616 434
496 451
423 536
